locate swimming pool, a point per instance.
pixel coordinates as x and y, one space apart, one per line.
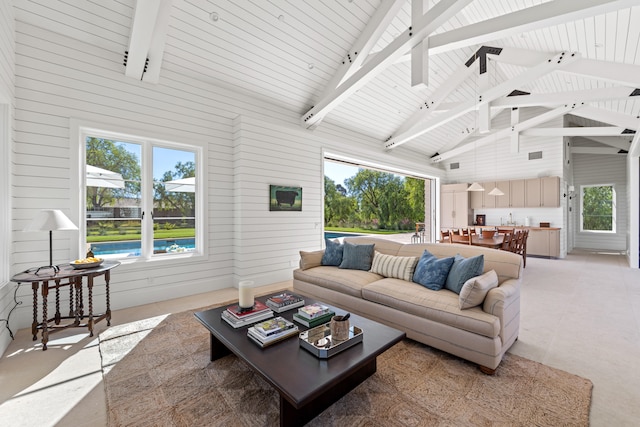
132 248
336 235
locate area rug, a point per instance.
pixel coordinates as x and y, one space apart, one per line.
157 373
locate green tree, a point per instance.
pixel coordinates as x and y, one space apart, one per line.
110 155
182 201
381 196
338 207
414 189
597 208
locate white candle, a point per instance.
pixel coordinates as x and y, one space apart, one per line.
246 294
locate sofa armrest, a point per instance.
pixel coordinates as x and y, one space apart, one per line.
310 259
504 302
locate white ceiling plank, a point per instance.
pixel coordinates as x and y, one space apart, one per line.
506 133
494 93
623 74
431 20
144 22
546 14
610 117
576 131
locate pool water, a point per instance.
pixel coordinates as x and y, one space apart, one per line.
132 248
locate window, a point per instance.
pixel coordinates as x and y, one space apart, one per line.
598 208
140 197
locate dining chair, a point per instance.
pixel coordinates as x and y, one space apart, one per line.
521 246
503 230
445 236
506 242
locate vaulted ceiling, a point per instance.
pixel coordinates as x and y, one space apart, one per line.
425 76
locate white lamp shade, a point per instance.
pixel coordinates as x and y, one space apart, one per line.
50 220
475 187
496 192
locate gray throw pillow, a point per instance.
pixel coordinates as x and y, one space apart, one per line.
332 253
462 270
357 257
431 272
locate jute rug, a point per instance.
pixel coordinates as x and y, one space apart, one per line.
157 373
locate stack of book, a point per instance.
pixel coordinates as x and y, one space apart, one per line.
284 301
313 315
237 317
271 331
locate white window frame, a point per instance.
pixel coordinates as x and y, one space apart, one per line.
613 209
81 130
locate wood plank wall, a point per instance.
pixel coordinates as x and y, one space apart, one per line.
7 103
251 144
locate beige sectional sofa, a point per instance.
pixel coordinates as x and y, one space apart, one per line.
480 334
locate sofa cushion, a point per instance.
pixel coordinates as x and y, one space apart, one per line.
475 289
332 253
432 272
349 282
393 266
310 259
357 257
438 306
462 270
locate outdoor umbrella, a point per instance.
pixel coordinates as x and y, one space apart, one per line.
98 177
183 185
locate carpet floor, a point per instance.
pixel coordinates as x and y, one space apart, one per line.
157 373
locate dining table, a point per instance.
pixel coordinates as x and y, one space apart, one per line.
494 242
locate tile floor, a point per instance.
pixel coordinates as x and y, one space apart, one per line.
580 314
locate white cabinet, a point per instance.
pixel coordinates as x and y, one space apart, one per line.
516 193
454 206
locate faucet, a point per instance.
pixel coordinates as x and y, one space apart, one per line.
510 219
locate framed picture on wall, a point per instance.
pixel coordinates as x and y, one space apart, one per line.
282 198
481 220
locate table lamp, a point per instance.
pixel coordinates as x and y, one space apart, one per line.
50 220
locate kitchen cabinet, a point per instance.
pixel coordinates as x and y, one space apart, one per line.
543 243
503 201
482 199
454 206
543 192
516 193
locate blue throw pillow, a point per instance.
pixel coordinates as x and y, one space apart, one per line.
357 257
462 270
332 253
431 272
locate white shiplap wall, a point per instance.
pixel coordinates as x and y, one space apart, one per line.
251 144
7 102
602 169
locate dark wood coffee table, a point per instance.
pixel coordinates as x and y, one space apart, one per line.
307 385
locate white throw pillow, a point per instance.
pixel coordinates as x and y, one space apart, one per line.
475 289
398 267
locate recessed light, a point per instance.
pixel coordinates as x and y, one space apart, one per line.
281 18
310 66
214 16
598 45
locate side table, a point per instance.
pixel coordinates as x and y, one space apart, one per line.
73 278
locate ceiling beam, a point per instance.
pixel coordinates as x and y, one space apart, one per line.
597 150
611 141
576 131
634 150
609 117
355 57
492 94
507 132
147 40
532 18
428 23
420 52
614 72
558 98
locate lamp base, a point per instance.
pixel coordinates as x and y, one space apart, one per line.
54 267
